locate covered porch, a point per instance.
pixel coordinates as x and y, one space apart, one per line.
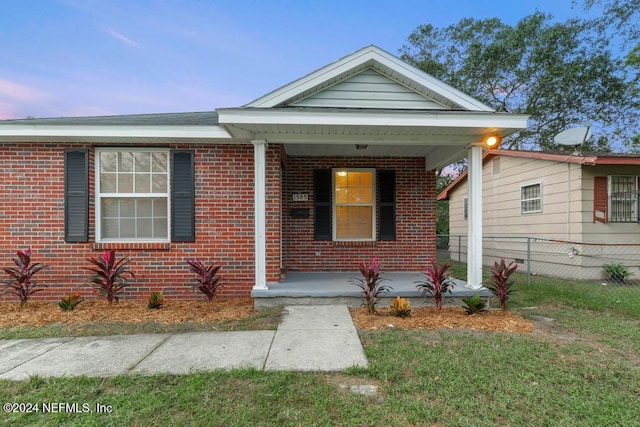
368 111
324 288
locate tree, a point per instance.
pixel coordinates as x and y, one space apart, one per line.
561 74
621 16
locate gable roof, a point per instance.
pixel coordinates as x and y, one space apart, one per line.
590 160
385 68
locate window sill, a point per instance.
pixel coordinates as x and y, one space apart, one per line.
354 243
154 246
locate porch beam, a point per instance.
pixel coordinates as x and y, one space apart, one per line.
474 241
260 189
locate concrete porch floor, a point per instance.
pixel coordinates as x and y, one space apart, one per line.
321 288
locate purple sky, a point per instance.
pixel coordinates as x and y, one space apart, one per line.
104 57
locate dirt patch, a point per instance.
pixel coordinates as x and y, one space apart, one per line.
37 313
446 318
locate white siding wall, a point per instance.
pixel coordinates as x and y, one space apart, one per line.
502 217
501 200
369 89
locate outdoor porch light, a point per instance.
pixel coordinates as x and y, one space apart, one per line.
492 141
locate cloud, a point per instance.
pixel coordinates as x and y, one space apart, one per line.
119 36
15 92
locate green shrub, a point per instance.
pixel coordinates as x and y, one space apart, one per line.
70 302
155 300
474 304
617 272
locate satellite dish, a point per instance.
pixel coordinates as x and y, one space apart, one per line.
573 136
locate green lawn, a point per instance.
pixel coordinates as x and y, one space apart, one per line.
581 369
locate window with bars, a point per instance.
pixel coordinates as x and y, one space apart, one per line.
623 198
531 198
132 195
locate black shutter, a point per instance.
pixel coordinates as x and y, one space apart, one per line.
183 195
322 204
76 195
387 219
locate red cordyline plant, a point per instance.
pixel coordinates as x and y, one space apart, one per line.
110 275
370 284
206 275
499 283
436 283
20 282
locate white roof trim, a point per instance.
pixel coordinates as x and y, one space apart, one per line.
21 131
378 59
233 116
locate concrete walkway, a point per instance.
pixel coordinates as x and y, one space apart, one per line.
310 338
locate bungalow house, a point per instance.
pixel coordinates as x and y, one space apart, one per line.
329 170
579 211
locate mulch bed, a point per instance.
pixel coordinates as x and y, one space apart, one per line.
37 313
446 318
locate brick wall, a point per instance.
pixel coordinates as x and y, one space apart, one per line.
415 218
32 215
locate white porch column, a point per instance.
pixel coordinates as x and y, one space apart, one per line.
474 240
260 190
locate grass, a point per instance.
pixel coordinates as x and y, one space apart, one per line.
584 371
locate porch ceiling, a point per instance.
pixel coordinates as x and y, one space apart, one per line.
440 136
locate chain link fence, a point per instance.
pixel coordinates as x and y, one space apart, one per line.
604 264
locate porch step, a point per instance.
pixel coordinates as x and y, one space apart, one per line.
269 298
329 288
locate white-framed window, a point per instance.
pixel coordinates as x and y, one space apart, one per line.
465 208
354 204
132 194
531 198
623 199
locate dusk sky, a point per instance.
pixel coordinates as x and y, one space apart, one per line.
105 57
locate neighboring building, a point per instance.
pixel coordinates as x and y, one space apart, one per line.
327 171
564 198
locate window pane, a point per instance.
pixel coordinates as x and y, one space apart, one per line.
108 162
110 228
108 182
354 222
128 208
143 182
159 183
159 162
110 208
160 208
160 228
125 163
127 228
144 228
125 183
129 218
145 208
142 162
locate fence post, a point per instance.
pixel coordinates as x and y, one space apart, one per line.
528 260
